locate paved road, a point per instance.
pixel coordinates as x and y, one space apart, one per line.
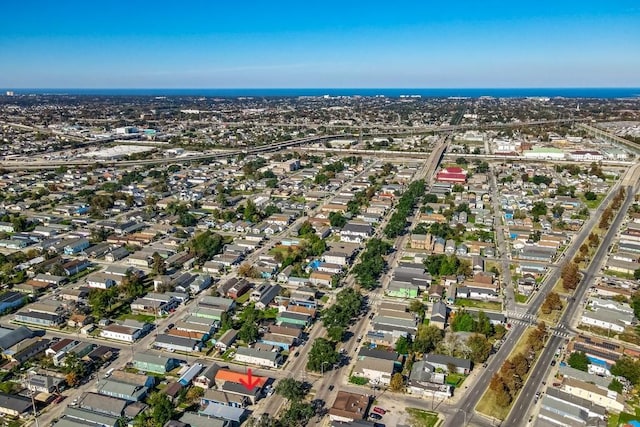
509 302
518 415
474 393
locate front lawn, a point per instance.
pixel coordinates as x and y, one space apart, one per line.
485 305
139 317
243 298
456 380
358 380
422 418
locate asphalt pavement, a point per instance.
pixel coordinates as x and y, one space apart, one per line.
524 401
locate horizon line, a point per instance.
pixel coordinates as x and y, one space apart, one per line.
319 87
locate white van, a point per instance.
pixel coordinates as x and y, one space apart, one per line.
109 372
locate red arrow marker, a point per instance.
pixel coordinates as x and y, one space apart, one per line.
251 382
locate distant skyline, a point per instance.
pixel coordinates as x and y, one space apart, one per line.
205 44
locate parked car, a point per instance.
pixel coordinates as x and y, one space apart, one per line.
375 416
379 410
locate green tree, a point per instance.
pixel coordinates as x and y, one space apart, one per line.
627 368
187 220
322 356
159 266
463 322
337 220
305 229
539 209
336 333
161 408
403 344
251 211
557 210
297 415
291 389
416 306
635 300
483 324
249 332
616 386
480 348
75 366
205 245
427 338
99 301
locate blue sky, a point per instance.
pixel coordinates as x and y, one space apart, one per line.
342 44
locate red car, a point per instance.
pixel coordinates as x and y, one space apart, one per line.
379 410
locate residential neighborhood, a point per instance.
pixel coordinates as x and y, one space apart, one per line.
174 269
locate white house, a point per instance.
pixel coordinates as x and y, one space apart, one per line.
377 371
607 319
121 333
256 357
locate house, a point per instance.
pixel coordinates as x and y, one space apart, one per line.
76 246
237 388
76 417
76 266
40 319
62 345
452 174
349 407
288 318
223 405
235 288
318 278
103 404
150 362
264 295
193 419
421 241
355 232
207 377
11 300
128 332
284 342
607 319
256 357
377 371
13 405
402 289
440 361
439 314
226 340
121 390
190 374
26 349
116 254
101 280
43 383
423 380
178 343
154 303
561 408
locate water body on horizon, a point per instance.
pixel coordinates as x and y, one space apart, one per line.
603 93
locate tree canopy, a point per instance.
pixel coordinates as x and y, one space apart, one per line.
322 356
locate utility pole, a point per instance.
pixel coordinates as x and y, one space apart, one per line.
33 401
